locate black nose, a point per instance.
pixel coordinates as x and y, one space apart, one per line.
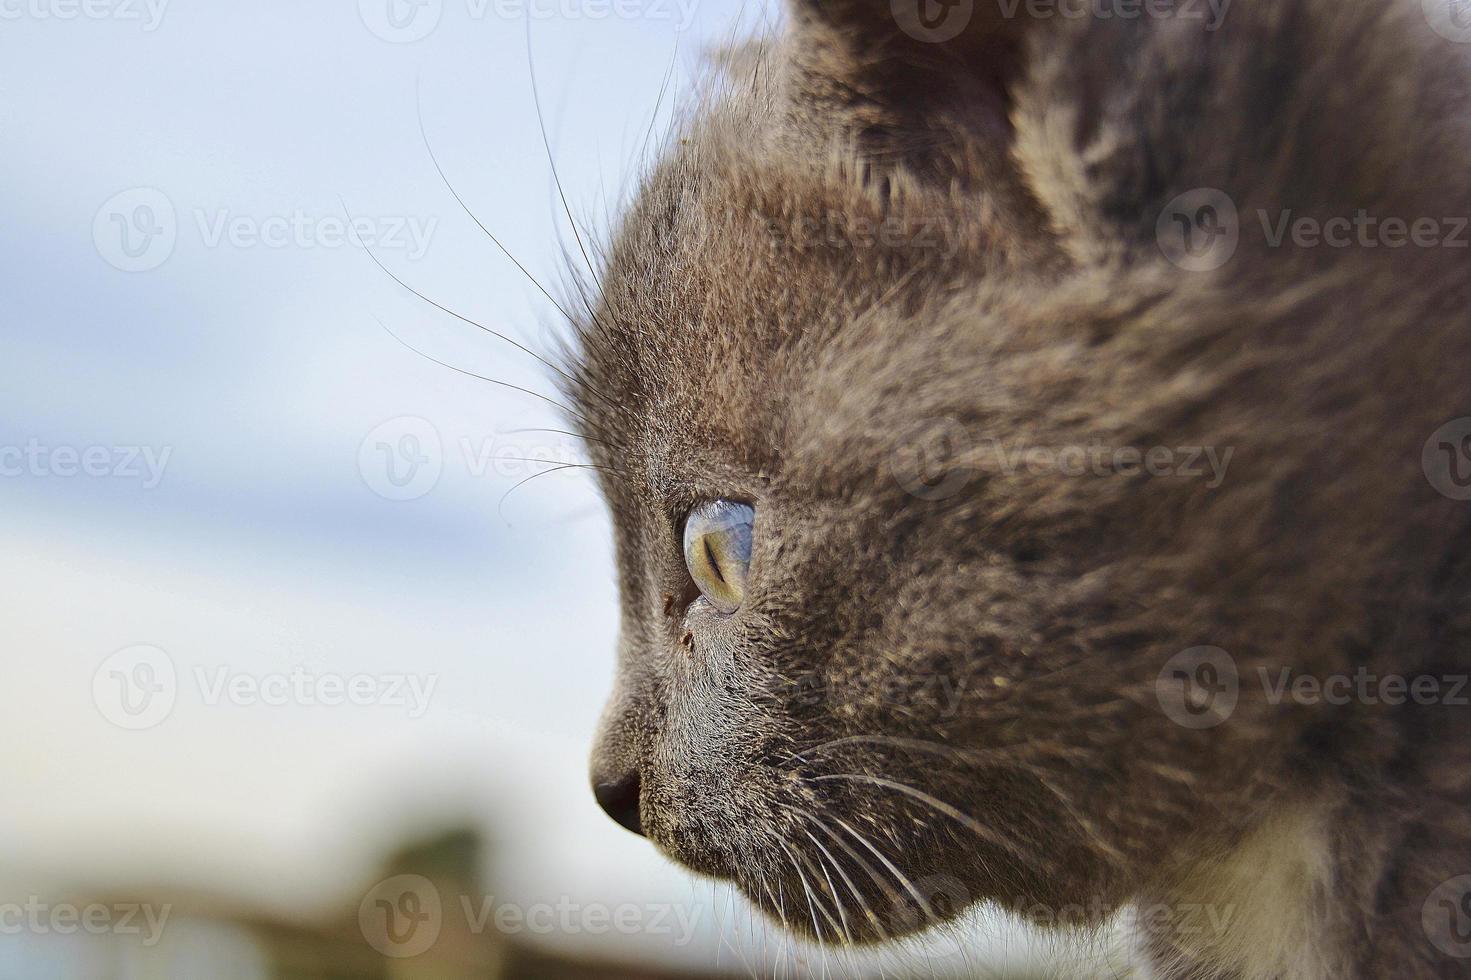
619 799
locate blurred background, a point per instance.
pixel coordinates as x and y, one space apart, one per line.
292 686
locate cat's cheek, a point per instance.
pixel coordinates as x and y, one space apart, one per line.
710 638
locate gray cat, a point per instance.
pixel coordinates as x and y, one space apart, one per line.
1036 436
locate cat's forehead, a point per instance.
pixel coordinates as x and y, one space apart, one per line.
736 269
707 307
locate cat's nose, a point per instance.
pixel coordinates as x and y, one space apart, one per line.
619 799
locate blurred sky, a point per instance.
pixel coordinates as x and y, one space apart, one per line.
178 294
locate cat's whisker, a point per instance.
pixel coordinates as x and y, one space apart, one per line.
439 169
480 377
556 177
832 889
899 876
827 892
811 904
939 806
571 379
520 266
878 880
863 905
659 101
576 435
781 918
500 507
838 927
974 756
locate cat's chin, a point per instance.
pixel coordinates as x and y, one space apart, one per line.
807 907
814 882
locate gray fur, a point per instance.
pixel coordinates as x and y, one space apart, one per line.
995 643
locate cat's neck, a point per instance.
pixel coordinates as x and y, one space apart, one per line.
1260 911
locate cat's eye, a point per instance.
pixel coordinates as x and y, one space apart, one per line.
717 551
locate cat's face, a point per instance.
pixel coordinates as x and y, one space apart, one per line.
883 366
816 646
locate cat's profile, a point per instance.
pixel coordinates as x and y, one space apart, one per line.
1034 442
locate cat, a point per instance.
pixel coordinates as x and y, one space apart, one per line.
1034 437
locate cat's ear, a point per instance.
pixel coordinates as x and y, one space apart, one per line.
905 71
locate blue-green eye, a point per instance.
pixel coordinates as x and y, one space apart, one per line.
717 551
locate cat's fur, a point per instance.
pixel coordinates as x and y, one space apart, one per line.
863 244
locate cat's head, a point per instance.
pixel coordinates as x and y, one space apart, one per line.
877 363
